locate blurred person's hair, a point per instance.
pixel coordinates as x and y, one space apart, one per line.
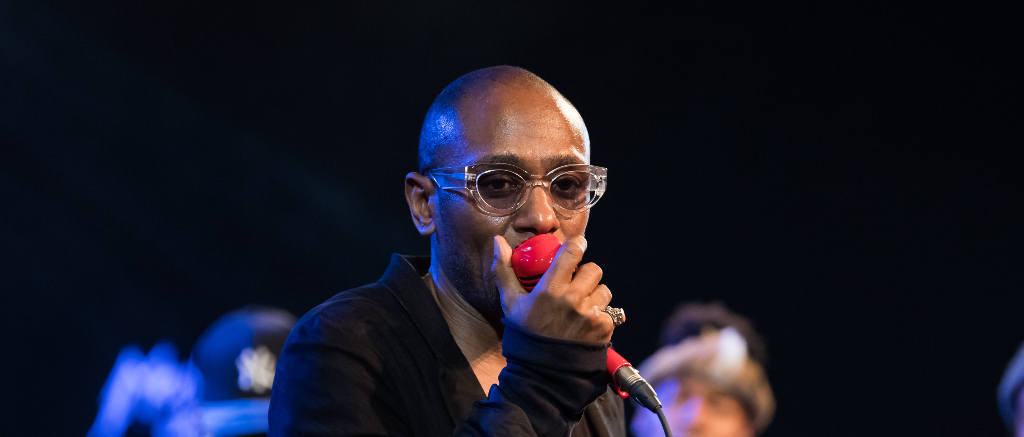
691 319
718 358
1009 389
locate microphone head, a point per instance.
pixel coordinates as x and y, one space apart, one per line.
533 257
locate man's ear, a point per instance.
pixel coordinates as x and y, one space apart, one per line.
419 193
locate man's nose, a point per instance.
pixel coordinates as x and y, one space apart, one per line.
537 215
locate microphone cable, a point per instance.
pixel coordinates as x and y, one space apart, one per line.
664 421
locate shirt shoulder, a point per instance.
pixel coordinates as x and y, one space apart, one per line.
352 314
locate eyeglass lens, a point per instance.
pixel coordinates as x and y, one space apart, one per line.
503 189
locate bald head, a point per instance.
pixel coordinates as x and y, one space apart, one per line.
489 102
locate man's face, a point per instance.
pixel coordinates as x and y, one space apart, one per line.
533 129
698 409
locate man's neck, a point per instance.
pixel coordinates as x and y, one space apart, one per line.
478 340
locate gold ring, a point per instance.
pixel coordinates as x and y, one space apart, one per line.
617 314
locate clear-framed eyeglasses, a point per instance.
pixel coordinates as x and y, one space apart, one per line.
501 189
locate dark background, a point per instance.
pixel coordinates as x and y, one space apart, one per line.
846 175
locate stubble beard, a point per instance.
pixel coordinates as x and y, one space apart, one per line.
465 268
464 273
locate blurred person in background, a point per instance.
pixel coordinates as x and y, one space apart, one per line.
222 390
709 375
1011 395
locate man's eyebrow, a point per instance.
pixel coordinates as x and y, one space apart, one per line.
504 158
560 160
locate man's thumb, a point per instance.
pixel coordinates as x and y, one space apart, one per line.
501 268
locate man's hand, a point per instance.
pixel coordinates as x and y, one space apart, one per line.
561 306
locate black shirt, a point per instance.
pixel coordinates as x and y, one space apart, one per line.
380 360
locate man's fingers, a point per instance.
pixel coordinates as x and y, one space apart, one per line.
601 297
588 276
501 268
568 256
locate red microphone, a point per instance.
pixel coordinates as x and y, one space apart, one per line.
529 262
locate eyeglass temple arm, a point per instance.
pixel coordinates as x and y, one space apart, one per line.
450 178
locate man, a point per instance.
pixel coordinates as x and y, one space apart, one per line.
706 376
453 343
